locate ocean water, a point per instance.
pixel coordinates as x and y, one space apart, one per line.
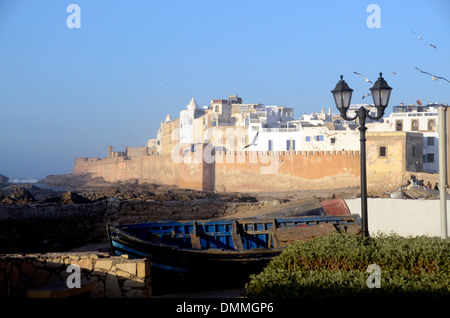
40 185
24 180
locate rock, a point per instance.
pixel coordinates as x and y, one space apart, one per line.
397 195
112 288
19 196
70 197
3 179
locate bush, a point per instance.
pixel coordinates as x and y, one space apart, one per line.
336 266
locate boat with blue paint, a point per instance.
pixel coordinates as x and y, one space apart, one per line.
226 245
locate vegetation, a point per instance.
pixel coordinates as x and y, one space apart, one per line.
336 266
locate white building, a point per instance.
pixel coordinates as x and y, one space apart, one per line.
303 136
187 119
275 138
328 138
273 128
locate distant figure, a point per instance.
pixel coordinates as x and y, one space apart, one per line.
429 185
436 187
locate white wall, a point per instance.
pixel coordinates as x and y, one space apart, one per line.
402 217
343 139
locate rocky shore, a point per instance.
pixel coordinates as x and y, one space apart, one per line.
69 189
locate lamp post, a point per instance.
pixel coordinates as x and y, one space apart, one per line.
342 94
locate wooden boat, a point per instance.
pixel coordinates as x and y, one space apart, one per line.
224 245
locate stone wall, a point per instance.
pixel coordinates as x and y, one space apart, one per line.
287 171
56 228
51 227
113 276
159 169
247 171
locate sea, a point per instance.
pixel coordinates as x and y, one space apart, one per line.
24 180
35 182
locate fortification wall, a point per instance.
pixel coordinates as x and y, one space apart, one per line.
287 171
252 171
159 169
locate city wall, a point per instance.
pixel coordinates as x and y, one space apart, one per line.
233 171
287 171
241 171
160 169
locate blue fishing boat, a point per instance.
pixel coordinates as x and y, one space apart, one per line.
223 245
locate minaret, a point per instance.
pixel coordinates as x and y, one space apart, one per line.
192 105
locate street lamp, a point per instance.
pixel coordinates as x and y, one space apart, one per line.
342 94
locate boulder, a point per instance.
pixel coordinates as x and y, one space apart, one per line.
70 197
3 179
19 196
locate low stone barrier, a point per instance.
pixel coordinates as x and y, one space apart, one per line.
113 276
60 227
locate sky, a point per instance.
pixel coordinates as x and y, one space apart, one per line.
68 92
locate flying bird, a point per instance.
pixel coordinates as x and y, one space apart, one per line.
393 73
192 148
434 77
367 80
253 143
368 94
421 38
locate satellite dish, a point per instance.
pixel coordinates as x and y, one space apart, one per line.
419 102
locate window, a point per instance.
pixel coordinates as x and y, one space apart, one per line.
431 124
308 138
216 109
414 125
430 141
290 145
270 145
319 138
430 157
332 140
382 151
413 151
399 125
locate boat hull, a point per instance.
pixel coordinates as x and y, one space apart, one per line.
220 246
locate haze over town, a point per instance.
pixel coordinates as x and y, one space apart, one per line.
71 92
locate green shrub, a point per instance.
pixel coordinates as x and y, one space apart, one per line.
335 266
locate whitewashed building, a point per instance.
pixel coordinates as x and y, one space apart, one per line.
187 121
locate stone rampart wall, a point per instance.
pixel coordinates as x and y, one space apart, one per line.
112 276
287 171
233 171
153 168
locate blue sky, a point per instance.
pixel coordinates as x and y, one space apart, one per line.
67 93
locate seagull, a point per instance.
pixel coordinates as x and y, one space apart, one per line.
393 73
434 77
368 94
421 38
253 143
192 148
367 80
